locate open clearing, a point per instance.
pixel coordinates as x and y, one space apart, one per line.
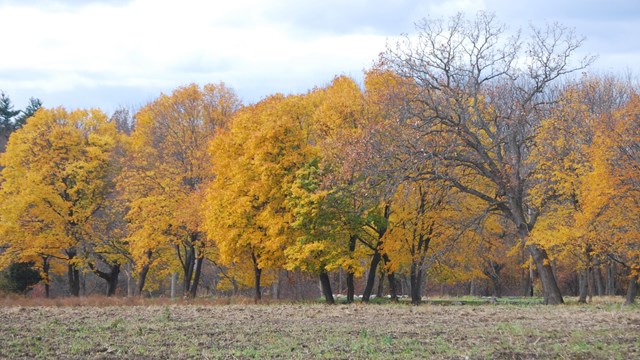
318 331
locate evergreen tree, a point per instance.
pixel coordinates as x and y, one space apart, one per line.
7 114
34 105
19 277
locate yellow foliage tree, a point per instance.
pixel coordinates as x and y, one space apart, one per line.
575 172
54 181
255 162
167 168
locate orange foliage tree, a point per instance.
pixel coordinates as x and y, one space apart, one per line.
163 182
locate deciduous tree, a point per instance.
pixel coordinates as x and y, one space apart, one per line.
163 181
54 181
485 92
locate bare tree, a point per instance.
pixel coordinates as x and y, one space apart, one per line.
479 95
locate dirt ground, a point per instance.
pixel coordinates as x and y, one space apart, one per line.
305 331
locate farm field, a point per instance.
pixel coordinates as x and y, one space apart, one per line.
302 331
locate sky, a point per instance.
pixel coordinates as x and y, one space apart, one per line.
125 53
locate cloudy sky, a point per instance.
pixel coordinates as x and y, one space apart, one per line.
110 53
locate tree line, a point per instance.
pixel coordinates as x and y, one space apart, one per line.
466 151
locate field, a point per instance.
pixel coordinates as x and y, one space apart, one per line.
212 331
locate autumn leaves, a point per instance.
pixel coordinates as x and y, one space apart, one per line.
451 160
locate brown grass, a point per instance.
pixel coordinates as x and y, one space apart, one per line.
103 301
161 328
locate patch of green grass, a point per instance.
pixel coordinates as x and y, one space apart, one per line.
166 314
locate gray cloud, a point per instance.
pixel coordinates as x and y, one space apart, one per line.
336 16
608 27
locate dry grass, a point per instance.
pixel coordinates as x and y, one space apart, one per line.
96 328
102 301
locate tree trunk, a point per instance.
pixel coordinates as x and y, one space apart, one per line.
416 283
74 280
632 291
375 260
142 278
590 283
351 289
526 278
550 289
497 287
257 271
393 289
174 280
582 286
325 284
492 271
130 285
111 277
610 287
45 271
112 283
187 267
371 278
196 277
380 291
597 274
73 274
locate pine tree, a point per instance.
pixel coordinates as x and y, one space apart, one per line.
6 114
29 111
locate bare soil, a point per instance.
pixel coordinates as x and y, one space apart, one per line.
305 331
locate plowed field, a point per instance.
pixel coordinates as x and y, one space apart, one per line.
305 331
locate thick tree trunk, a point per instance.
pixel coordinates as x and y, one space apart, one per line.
371 278
111 277
550 289
325 284
597 274
497 287
73 274
582 286
632 291
187 267
142 278
393 288
112 283
74 280
416 283
193 291
375 260
351 288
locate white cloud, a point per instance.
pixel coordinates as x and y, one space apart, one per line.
115 49
163 44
